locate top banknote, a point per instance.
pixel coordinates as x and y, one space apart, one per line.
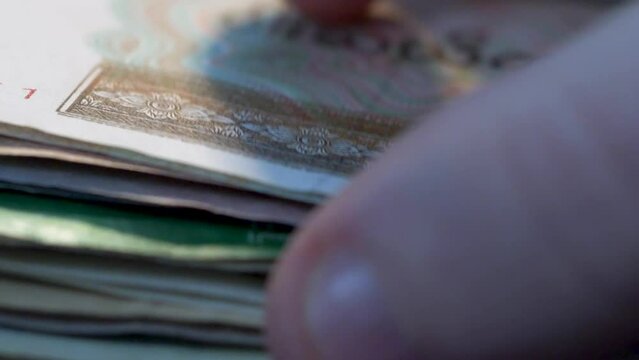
242 93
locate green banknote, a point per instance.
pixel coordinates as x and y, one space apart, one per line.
60 223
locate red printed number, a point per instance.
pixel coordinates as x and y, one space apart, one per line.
30 93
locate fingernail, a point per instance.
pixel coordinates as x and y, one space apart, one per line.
346 312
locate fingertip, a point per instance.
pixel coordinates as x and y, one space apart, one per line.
333 11
325 301
286 331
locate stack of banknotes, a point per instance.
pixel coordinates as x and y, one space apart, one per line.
155 155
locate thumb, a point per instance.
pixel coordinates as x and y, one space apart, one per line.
503 227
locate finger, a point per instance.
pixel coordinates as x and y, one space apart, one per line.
333 11
503 227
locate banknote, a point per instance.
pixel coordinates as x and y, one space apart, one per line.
105 328
17 344
145 280
246 92
133 186
62 223
24 296
24 162
14 147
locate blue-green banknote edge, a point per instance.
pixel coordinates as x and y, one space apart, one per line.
69 224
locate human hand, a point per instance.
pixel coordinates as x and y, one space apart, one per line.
505 226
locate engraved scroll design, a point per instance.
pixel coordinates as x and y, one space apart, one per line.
235 120
311 141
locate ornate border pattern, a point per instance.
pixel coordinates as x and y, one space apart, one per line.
231 118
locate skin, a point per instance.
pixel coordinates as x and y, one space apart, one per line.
504 226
